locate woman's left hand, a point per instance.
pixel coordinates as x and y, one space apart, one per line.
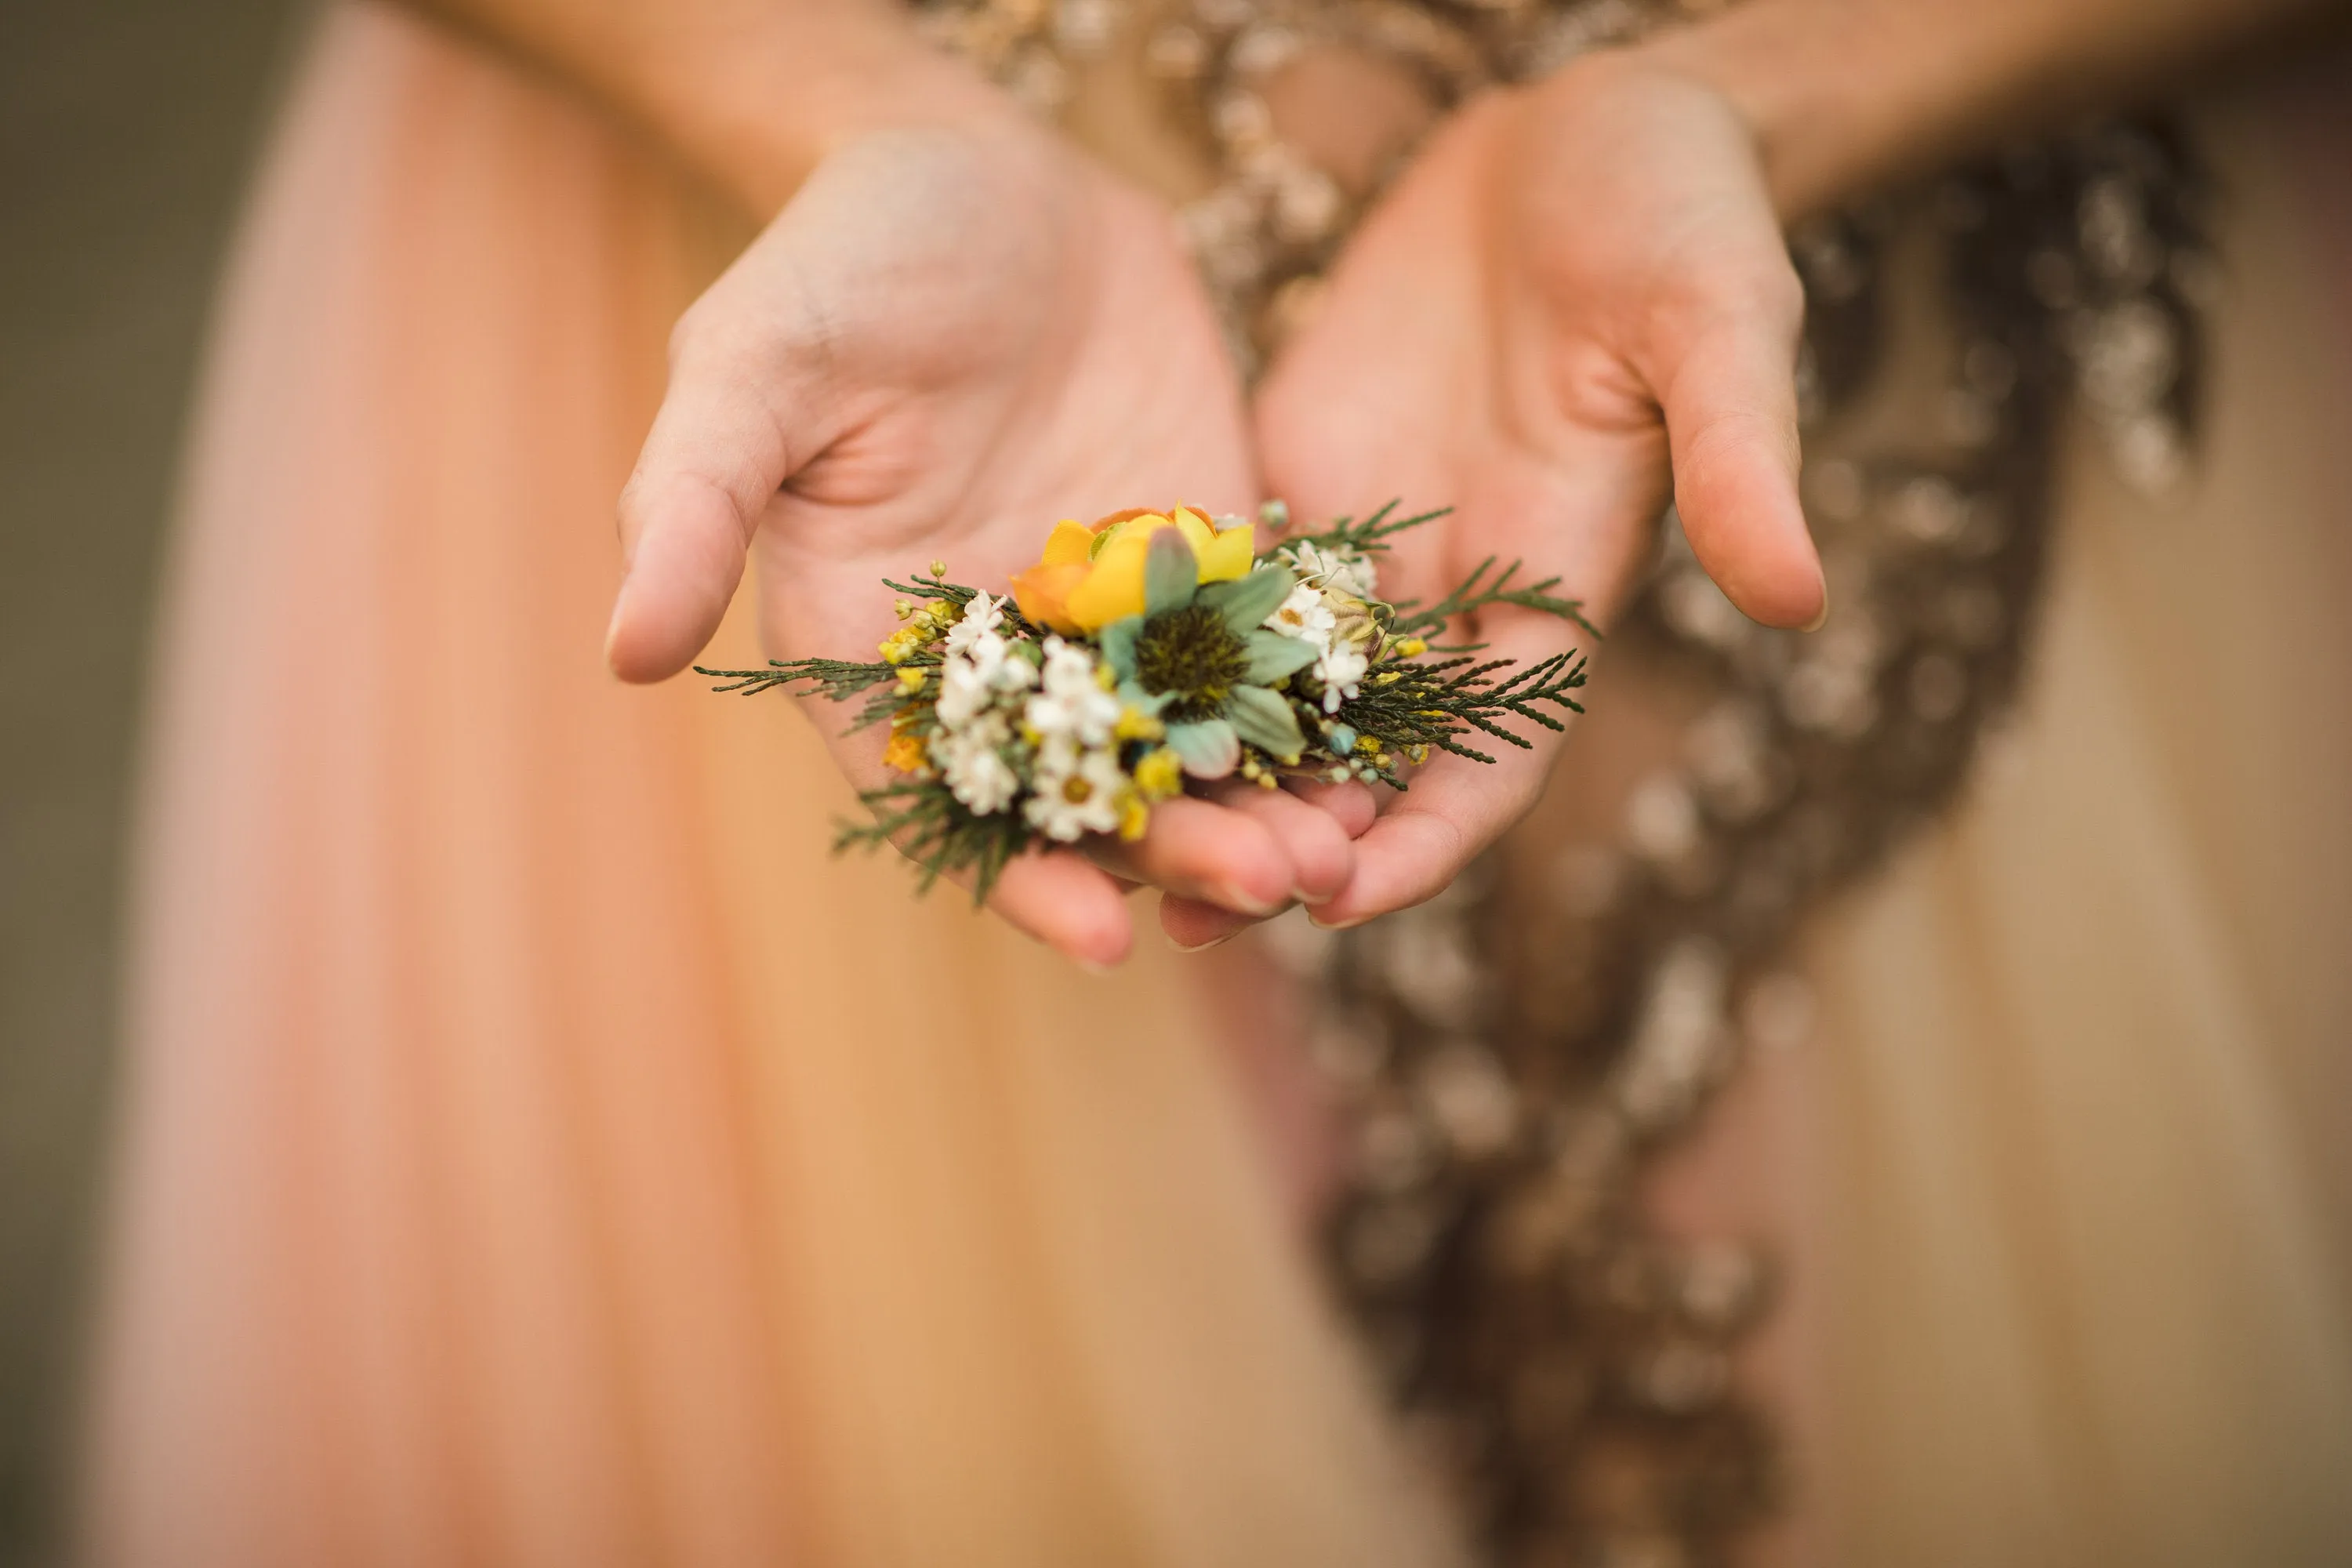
1575 303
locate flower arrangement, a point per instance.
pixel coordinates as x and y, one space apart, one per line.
1157 648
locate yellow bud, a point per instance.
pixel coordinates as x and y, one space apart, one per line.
1135 725
913 679
1159 774
1411 648
1367 744
1134 819
938 568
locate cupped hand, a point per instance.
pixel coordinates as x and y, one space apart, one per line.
949 339
1575 304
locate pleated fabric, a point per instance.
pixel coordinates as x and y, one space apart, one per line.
536 1148
2079 1212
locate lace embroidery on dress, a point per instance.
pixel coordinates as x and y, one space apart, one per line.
1513 1053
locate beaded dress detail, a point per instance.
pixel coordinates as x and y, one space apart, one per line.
1513 1053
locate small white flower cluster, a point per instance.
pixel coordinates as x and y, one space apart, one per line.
979 683
1079 787
1349 571
1340 661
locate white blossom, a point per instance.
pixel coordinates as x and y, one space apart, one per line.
1340 669
1074 792
980 665
971 759
980 618
1305 615
1350 572
1072 705
963 692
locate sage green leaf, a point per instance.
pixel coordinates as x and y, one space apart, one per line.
1169 573
1209 748
1117 641
1273 656
1247 601
1264 719
1131 692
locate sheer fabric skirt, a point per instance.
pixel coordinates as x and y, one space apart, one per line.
536 1149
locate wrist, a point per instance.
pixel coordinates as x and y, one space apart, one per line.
759 114
1844 95
1836 97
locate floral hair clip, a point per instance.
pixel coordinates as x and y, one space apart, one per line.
1157 648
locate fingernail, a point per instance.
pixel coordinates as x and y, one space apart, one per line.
1821 620
1315 920
1234 897
1202 946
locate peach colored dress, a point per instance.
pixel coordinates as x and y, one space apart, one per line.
537 1150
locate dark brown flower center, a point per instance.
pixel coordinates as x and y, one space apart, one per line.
1192 655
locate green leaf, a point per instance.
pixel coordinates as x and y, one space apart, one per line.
1169 573
1247 601
1132 693
1273 656
1264 719
1117 641
1209 748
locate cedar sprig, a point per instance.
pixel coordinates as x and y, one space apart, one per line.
1476 592
835 679
931 828
1437 702
1369 537
1372 535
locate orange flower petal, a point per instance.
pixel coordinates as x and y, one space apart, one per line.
1043 591
1068 545
1113 589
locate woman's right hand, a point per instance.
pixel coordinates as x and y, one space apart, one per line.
950 337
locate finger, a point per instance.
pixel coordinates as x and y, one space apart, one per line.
1209 852
1073 908
1454 806
1351 805
718 451
1321 857
1730 402
1192 925
1348 808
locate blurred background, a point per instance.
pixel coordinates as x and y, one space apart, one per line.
126 130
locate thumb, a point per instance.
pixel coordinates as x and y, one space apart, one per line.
720 450
1731 421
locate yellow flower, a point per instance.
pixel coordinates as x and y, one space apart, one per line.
1088 577
1134 818
905 753
1135 725
903 642
1159 774
911 680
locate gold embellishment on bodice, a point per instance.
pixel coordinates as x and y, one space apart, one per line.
1513 1053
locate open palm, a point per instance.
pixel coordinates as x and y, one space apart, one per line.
947 340
1575 303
